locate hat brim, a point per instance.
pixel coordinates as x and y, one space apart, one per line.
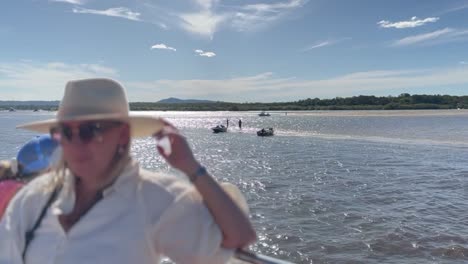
140 125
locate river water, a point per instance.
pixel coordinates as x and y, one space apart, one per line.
331 187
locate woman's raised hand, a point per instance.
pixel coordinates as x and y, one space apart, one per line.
173 146
221 201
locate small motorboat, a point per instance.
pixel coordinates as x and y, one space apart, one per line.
219 129
12 109
265 132
264 114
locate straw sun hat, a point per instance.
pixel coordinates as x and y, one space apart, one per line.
97 99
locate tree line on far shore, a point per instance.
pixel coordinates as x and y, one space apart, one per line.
362 102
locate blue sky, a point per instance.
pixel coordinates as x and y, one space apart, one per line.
234 50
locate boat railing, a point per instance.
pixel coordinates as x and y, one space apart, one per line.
255 258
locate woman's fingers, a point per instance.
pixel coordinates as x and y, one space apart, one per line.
166 131
165 144
173 146
167 123
161 151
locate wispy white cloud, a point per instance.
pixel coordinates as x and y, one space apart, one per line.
318 45
202 53
274 7
203 17
162 46
325 43
73 2
436 37
250 17
206 4
204 23
455 9
267 88
121 12
203 20
44 81
162 25
413 22
463 63
206 17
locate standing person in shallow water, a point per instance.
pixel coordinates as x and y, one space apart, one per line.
99 206
240 124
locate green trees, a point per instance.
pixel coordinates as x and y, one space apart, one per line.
361 102
403 101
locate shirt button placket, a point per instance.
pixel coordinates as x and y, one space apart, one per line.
60 248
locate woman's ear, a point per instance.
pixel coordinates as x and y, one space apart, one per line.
124 138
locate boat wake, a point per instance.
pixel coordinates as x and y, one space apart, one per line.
377 139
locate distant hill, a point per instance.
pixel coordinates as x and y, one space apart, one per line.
173 100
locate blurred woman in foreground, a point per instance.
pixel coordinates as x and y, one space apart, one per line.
101 207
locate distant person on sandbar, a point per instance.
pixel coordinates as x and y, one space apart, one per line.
240 124
227 122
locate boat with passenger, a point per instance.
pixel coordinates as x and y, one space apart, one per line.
219 129
265 132
264 114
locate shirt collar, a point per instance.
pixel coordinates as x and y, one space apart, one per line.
124 185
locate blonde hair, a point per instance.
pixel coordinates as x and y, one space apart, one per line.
8 169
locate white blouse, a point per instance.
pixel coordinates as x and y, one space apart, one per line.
140 218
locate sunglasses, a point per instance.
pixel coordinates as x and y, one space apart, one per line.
87 131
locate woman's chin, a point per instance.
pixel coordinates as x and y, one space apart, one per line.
83 171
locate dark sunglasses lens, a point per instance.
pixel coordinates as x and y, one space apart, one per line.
66 132
87 132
